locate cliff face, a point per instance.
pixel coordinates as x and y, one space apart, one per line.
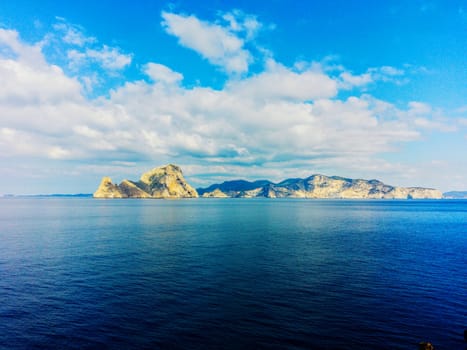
163 182
166 182
320 186
107 189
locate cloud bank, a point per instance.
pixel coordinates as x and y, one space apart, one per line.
276 122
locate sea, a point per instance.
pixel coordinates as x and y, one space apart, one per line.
83 273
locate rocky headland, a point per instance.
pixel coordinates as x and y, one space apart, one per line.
162 182
317 186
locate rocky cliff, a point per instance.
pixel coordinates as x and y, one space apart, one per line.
318 186
162 182
107 189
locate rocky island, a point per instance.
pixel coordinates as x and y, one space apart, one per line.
168 182
162 182
318 186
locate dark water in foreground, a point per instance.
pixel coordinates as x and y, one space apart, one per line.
232 274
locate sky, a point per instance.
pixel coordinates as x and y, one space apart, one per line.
230 90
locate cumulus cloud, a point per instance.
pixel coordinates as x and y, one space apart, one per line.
26 77
230 126
280 82
279 114
160 73
13 49
349 80
218 44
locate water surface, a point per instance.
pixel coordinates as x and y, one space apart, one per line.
81 273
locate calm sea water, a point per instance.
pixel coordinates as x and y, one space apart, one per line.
232 274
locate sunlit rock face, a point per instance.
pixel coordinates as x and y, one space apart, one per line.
319 186
166 182
107 189
162 182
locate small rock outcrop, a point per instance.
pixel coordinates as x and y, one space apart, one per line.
425 346
162 182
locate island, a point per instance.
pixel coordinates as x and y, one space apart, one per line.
168 182
161 182
318 186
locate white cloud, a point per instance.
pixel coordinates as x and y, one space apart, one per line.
350 81
93 64
72 34
76 59
160 73
82 55
280 82
389 71
280 114
218 44
241 22
110 58
388 74
234 127
423 116
426 123
28 79
14 49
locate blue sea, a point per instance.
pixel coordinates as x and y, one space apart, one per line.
82 273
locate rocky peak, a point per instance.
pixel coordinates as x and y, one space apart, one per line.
161 182
107 189
156 174
167 182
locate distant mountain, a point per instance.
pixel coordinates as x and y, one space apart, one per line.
232 187
162 182
455 195
317 186
53 195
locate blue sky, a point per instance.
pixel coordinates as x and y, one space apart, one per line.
231 90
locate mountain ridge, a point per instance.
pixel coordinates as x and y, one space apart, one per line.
168 182
317 186
455 195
